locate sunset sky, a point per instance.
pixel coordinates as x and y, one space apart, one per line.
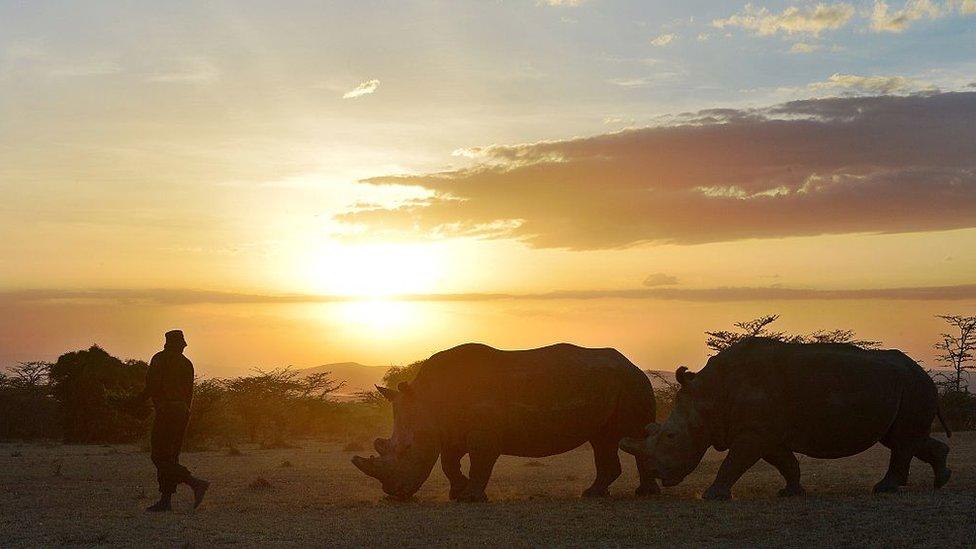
312 182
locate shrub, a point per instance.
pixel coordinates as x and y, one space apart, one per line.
90 387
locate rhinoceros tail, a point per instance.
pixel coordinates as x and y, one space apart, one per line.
938 411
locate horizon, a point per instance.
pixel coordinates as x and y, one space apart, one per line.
316 185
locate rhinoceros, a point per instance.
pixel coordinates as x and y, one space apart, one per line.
766 399
485 402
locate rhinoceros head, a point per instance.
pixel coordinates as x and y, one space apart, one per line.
677 446
403 461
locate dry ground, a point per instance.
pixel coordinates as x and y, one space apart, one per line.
94 495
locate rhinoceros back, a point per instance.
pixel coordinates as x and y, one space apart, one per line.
537 402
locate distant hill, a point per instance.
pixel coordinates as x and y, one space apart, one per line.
358 377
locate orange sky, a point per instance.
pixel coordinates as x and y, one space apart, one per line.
242 171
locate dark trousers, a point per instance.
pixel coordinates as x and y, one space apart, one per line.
168 428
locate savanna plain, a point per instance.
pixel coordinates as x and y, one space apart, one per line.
54 494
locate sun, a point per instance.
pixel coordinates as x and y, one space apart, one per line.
375 271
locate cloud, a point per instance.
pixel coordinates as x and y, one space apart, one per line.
792 20
660 279
803 47
837 165
640 82
365 88
719 294
965 7
866 84
885 20
663 40
562 3
92 67
189 70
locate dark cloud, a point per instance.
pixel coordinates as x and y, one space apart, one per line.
882 164
660 279
721 294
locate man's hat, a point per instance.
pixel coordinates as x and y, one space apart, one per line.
175 337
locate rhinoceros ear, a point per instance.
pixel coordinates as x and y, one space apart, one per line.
405 388
683 376
390 394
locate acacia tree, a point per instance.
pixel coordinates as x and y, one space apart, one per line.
720 340
31 374
391 379
957 349
665 393
758 327
283 401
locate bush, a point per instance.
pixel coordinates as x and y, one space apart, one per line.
959 410
90 387
211 420
27 410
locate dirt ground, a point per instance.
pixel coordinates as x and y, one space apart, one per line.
94 495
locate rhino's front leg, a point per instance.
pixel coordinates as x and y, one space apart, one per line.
744 452
451 464
483 451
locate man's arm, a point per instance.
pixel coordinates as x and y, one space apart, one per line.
152 383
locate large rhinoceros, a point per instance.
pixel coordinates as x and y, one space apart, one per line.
477 400
765 399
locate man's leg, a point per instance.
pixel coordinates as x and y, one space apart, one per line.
180 473
169 427
161 454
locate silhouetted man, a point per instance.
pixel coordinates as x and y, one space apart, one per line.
169 383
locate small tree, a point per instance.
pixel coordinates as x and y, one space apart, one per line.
665 393
394 376
759 327
27 409
31 374
89 386
956 350
398 374
282 400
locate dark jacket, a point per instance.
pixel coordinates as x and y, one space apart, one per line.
169 379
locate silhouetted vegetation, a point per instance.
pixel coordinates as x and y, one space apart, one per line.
27 409
90 386
759 327
80 397
665 392
956 349
394 376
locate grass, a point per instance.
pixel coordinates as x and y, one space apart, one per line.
93 495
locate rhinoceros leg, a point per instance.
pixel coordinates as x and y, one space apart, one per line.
934 452
897 474
648 483
451 465
607 467
483 451
744 452
785 462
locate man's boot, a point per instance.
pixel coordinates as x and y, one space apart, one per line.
162 505
199 487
